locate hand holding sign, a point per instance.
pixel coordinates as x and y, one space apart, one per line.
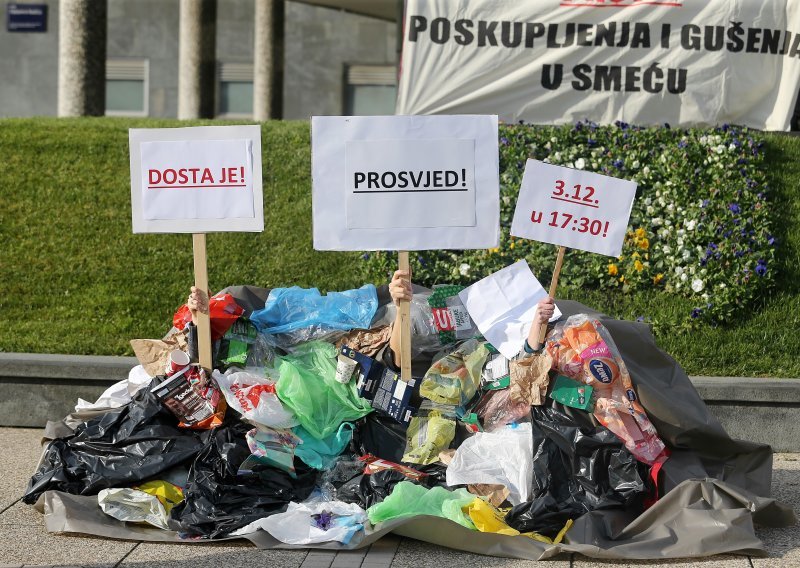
572 208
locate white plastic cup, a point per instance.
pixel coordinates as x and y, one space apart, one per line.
344 369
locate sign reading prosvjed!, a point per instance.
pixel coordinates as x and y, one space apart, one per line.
573 208
405 182
196 180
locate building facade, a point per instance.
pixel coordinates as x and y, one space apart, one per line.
334 62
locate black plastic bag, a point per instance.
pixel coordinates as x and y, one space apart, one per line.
219 500
124 446
577 467
380 436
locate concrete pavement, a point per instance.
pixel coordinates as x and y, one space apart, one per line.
24 541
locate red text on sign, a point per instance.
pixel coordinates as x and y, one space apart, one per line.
579 194
568 221
187 178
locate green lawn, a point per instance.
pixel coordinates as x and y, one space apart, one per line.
76 280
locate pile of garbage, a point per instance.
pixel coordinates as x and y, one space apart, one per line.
304 434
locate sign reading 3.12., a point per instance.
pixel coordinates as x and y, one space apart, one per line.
573 208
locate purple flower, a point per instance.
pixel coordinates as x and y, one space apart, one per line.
504 141
640 318
705 203
696 313
761 267
591 142
365 256
734 208
771 241
618 164
683 144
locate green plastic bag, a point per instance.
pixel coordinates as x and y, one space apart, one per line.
308 386
407 499
454 379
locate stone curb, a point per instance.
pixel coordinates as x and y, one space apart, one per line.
35 388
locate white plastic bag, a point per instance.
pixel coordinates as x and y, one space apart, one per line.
502 457
118 394
312 522
253 396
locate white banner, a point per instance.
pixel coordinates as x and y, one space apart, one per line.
405 182
573 208
682 62
196 180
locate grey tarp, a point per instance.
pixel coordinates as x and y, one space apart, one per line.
716 488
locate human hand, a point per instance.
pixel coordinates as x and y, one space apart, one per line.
544 310
197 303
400 286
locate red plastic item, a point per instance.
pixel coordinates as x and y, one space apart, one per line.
223 309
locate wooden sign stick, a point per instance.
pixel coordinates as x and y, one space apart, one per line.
201 282
552 292
404 313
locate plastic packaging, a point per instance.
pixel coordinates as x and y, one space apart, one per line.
577 468
254 397
313 522
119 448
450 318
168 494
503 457
582 349
290 309
495 409
308 387
219 499
380 436
223 312
133 506
430 432
454 379
489 519
407 499
275 448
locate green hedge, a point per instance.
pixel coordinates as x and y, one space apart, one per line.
76 280
700 225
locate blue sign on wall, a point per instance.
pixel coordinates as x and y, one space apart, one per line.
26 17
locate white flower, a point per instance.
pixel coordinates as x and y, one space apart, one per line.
686 255
506 200
646 171
557 156
684 277
635 164
580 163
554 140
679 270
690 225
720 149
732 147
650 210
666 249
647 201
464 269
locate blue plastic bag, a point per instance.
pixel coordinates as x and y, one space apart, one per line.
289 309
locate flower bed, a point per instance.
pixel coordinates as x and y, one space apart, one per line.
700 225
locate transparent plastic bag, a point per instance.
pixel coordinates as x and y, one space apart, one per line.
503 457
290 309
308 387
429 432
454 379
582 349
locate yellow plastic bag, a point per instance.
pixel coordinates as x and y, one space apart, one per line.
488 519
168 494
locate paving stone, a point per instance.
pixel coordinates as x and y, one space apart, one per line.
417 554
20 514
21 451
32 545
719 561
783 544
349 558
238 553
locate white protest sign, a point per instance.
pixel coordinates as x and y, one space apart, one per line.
196 180
573 208
503 306
405 182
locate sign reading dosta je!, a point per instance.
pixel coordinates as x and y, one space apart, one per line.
196 180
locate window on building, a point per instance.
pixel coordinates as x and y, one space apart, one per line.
370 89
126 87
235 82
